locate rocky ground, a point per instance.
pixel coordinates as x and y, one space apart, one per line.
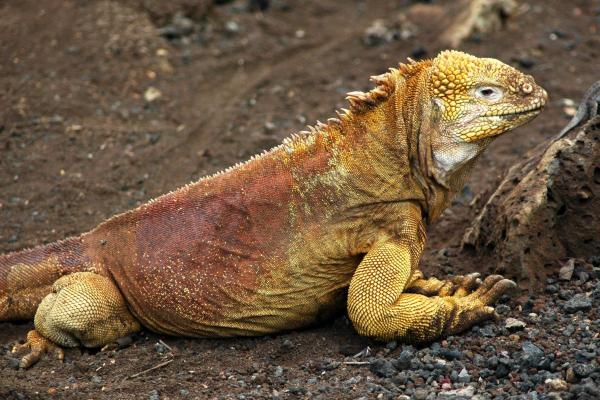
106 104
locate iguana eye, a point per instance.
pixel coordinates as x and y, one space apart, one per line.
489 93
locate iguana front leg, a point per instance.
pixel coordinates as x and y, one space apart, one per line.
379 307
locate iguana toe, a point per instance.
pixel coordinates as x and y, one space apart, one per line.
477 307
466 284
35 348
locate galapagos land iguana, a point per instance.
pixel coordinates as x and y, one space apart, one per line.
333 217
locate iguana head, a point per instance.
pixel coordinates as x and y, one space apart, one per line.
479 98
474 100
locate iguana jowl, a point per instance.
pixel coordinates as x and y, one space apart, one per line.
272 244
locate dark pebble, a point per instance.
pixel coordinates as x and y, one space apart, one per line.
419 53
492 362
565 294
404 359
391 345
532 355
449 353
13 363
578 302
124 341
526 62
160 348
583 370
382 368
569 330
551 289
287 345
502 309
501 371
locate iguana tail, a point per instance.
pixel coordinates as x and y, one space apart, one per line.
26 277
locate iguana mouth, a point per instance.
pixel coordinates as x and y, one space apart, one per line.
527 110
536 107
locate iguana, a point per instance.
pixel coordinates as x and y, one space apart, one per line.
335 215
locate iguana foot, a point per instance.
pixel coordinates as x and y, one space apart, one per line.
83 309
476 307
35 348
457 286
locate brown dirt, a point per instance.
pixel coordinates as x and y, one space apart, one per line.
79 143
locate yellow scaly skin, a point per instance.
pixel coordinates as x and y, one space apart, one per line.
273 244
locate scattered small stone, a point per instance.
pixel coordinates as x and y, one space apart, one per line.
232 26
96 379
151 94
464 376
153 137
287 345
421 394
13 363
270 126
488 331
583 370
160 348
503 368
569 330
502 309
565 294
566 271
513 324
404 359
526 62
464 393
569 107
557 384
278 371
551 289
532 355
181 26
383 368
449 353
153 395
419 52
377 33
577 303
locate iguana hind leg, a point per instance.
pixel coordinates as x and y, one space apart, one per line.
83 309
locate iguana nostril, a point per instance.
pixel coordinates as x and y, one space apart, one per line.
527 88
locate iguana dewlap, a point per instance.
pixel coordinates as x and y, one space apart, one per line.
274 243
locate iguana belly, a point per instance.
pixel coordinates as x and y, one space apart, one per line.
235 301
